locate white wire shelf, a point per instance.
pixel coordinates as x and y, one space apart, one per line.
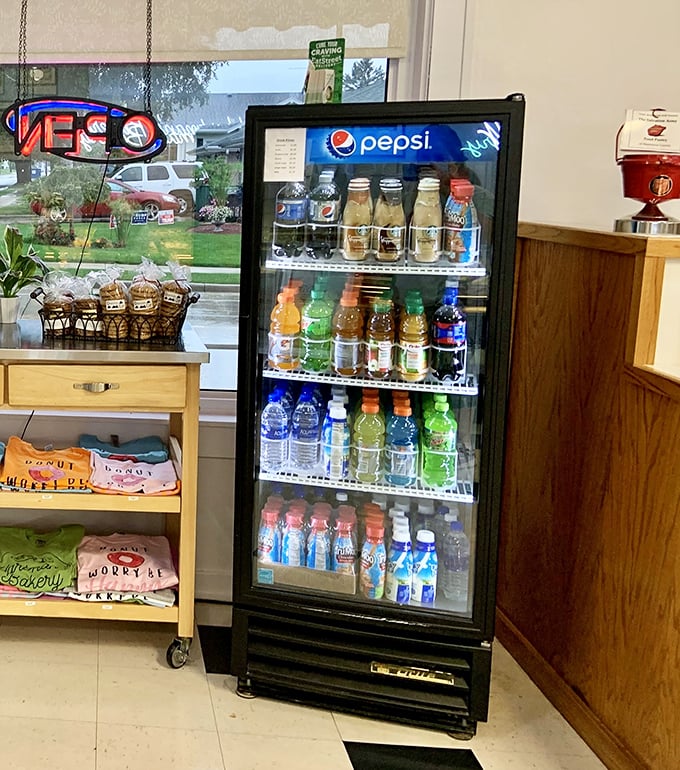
339 265
428 386
462 493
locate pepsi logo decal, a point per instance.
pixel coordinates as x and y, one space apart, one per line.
341 143
328 212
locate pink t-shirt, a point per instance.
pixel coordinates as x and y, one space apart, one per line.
125 563
125 477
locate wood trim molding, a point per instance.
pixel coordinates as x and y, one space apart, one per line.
601 740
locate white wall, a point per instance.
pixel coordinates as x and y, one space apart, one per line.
580 64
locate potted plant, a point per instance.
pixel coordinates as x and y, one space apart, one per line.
17 270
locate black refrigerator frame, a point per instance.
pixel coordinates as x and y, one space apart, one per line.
425 669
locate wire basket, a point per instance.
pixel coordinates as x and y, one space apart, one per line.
93 324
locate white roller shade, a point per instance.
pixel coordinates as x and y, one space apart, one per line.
199 30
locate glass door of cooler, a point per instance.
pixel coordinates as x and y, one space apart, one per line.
376 311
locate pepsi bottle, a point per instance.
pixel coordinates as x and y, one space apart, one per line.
323 217
289 220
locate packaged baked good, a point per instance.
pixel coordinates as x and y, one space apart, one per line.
113 298
113 294
86 308
145 300
57 305
175 292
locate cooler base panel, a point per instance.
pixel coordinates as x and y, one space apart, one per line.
354 668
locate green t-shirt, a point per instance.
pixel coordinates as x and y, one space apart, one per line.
39 561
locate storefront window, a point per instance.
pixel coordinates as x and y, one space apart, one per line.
78 216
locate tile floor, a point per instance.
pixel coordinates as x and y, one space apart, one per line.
87 696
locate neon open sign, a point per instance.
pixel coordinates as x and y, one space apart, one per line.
81 130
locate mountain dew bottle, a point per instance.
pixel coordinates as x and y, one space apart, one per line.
315 332
439 447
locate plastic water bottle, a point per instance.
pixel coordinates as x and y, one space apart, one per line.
293 541
424 588
323 217
399 567
289 220
456 563
401 447
344 549
274 428
305 434
268 537
286 395
372 564
336 442
318 544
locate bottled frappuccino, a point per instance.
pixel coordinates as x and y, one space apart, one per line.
426 222
389 222
356 221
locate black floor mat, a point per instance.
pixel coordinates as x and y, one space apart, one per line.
216 648
378 756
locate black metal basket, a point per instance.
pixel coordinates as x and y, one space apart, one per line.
116 327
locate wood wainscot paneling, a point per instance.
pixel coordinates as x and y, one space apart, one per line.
589 569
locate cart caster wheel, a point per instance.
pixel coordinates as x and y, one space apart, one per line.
244 690
178 653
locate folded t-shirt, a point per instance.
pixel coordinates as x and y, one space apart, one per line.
150 449
45 470
125 477
125 562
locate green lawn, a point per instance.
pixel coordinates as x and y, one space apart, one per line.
158 243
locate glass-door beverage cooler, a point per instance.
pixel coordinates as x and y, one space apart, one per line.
376 290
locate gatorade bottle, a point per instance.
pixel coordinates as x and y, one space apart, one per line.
379 339
461 224
401 448
449 339
439 447
346 339
315 333
368 440
283 333
412 351
372 564
323 217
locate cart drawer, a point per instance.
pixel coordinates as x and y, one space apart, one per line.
155 388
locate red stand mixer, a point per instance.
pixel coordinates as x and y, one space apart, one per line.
649 178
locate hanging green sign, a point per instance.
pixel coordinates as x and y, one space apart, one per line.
323 82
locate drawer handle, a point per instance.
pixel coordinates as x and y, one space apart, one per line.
96 387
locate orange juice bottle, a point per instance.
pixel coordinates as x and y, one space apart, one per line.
412 351
284 331
347 336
